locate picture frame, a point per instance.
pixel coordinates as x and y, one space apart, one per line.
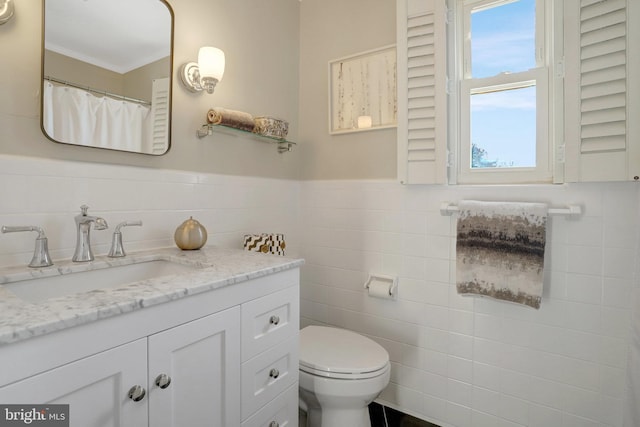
362 91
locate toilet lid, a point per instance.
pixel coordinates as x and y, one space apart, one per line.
335 352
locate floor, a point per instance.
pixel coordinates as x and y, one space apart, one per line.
382 417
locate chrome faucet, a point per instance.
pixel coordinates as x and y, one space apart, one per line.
41 256
117 250
83 251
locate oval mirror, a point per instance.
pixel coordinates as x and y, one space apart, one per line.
106 70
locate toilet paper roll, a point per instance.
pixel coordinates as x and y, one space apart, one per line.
380 289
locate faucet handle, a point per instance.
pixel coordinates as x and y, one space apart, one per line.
84 209
41 256
117 250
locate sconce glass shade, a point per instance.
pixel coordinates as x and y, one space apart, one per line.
211 62
204 74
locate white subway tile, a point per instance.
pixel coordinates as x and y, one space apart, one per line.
435 408
585 232
435 385
514 383
543 416
564 365
460 345
434 339
486 376
617 292
458 415
585 260
514 409
612 381
619 262
460 369
584 288
459 392
486 400
546 392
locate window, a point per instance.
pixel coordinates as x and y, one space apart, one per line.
503 103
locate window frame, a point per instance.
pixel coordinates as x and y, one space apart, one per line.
466 85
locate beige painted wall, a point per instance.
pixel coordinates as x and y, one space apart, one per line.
65 68
136 83
260 40
331 29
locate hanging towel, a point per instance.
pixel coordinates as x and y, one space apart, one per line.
500 250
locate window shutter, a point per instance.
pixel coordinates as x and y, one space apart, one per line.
160 116
596 101
421 91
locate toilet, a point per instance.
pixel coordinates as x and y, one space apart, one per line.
341 372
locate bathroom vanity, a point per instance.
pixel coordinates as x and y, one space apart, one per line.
215 345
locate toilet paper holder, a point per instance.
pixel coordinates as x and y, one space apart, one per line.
382 286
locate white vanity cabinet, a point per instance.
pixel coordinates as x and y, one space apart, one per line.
227 357
270 353
196 363
95 387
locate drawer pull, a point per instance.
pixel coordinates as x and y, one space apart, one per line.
274 373
163 381
274 424
137 393
274 320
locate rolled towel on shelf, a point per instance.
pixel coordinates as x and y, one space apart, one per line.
231 118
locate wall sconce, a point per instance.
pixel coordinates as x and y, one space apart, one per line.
206 73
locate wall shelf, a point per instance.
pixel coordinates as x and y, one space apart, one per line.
283 144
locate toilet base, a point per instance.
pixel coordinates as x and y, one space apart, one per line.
333 418
332 402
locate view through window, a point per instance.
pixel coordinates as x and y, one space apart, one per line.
502 116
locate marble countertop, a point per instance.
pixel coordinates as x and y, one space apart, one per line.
213 268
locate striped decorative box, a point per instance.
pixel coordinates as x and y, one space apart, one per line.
265 243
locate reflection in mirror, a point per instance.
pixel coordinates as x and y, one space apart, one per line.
106 68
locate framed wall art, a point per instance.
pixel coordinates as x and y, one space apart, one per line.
362 91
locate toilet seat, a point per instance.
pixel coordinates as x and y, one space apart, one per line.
338 353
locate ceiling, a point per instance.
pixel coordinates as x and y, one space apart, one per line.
119 35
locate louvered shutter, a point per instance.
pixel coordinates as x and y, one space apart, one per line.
422 101
597 94
160 116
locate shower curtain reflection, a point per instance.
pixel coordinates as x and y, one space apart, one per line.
76 116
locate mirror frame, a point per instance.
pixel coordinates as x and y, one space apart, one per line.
171 55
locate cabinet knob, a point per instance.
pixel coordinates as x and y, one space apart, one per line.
137 393
274 373
274 424
163 381
274 320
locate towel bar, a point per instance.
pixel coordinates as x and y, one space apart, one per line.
571 211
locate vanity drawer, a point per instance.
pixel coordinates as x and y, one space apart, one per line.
268 374
269 320
280 412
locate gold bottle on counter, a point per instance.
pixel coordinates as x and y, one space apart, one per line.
190 235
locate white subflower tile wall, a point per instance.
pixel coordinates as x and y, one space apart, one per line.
456 361
49 193
465 362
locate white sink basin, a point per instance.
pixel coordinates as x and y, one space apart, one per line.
43 288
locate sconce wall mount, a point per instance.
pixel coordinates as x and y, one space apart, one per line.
206 73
